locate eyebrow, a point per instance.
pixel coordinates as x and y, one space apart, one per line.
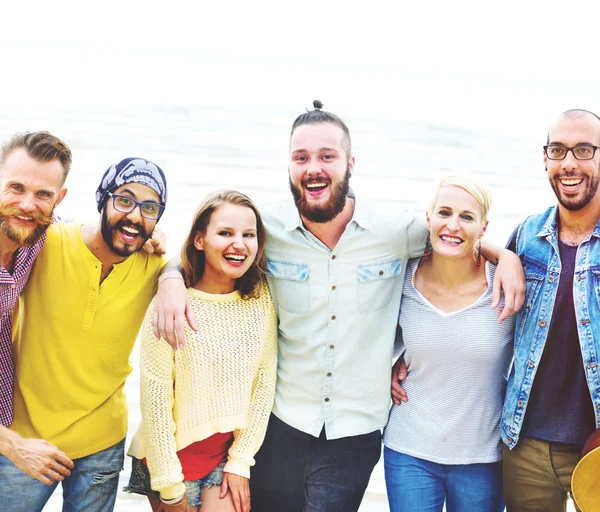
320 150
463 211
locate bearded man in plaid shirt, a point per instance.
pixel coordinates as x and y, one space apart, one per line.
33 170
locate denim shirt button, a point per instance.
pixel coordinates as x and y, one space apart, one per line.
510 440
551 279
520 403
542 323
531 364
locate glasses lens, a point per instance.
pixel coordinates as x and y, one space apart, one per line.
150 210
123 204
556 152
584 152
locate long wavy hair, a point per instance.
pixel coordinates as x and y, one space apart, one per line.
192 260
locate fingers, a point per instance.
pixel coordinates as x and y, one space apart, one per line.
237 500
189 314
224 487
399 394
64 463
495 293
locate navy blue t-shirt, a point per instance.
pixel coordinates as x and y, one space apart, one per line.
560 407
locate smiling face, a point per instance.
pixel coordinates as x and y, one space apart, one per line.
319 171
126 233
230 245
455 223
29 192
575 182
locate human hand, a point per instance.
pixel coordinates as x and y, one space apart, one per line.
509 279
40 460
240 491
172 305
399 373
181 506
157 243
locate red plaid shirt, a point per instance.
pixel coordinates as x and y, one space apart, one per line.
11 286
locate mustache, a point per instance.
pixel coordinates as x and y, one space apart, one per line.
38 217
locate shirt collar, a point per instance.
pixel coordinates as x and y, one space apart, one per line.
361 215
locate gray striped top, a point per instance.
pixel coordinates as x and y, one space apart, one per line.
458 364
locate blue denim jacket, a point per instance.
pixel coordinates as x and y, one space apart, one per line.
537 246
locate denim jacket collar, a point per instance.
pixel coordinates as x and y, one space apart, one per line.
550 227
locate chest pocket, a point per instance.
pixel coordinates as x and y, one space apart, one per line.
534 276
290 287
376 284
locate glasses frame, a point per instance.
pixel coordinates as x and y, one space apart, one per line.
591 146
136 204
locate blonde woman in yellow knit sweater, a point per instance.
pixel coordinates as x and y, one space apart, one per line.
206 406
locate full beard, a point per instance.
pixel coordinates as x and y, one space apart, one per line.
109 232
326 212
23 235
576 204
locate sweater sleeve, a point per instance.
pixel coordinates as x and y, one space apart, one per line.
247 441
157 400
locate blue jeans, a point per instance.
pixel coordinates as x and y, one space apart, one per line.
417 485
296 472
91 486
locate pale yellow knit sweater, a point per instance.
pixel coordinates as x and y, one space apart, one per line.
222 381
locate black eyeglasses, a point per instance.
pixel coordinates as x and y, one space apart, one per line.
126 204
559 152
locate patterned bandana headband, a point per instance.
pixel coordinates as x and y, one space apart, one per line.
132 170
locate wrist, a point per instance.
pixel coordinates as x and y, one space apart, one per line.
172 274
9 442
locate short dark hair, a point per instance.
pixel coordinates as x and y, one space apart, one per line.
41 146
574 113
321 116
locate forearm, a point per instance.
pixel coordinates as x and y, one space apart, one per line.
172 268
491 251
8 441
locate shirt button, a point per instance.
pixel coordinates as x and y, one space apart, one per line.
328 374
331 347
333 257
13 286
584 322
510 440
381 272
327 399
551 279
531 364
542 323
333 317
333 287
520 403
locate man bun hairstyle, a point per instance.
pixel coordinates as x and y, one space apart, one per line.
318 116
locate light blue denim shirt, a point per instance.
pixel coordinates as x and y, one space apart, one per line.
337 316
537 246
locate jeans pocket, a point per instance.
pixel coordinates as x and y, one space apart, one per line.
289 285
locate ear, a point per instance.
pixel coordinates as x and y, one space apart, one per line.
545 160
61 195
199 241
351 165
428 221
484 228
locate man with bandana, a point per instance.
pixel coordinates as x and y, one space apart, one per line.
335 270
77 324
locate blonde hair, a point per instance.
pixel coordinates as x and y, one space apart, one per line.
192 260
474 187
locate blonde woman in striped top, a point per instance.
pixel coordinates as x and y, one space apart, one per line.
443 444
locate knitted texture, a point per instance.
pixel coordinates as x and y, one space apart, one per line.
223 380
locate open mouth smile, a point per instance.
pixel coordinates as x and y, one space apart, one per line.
451 240
237 260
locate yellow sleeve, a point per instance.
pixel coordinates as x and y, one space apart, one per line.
247 441
157 400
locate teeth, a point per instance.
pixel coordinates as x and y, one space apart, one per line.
572 182
24 218
130 230
451 239
316 185
236 257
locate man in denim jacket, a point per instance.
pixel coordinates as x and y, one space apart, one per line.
553 398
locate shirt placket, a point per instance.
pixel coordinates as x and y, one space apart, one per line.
330 349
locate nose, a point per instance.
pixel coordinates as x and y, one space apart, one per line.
27 203
569 161
238 242
313 167
453 223
135 215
